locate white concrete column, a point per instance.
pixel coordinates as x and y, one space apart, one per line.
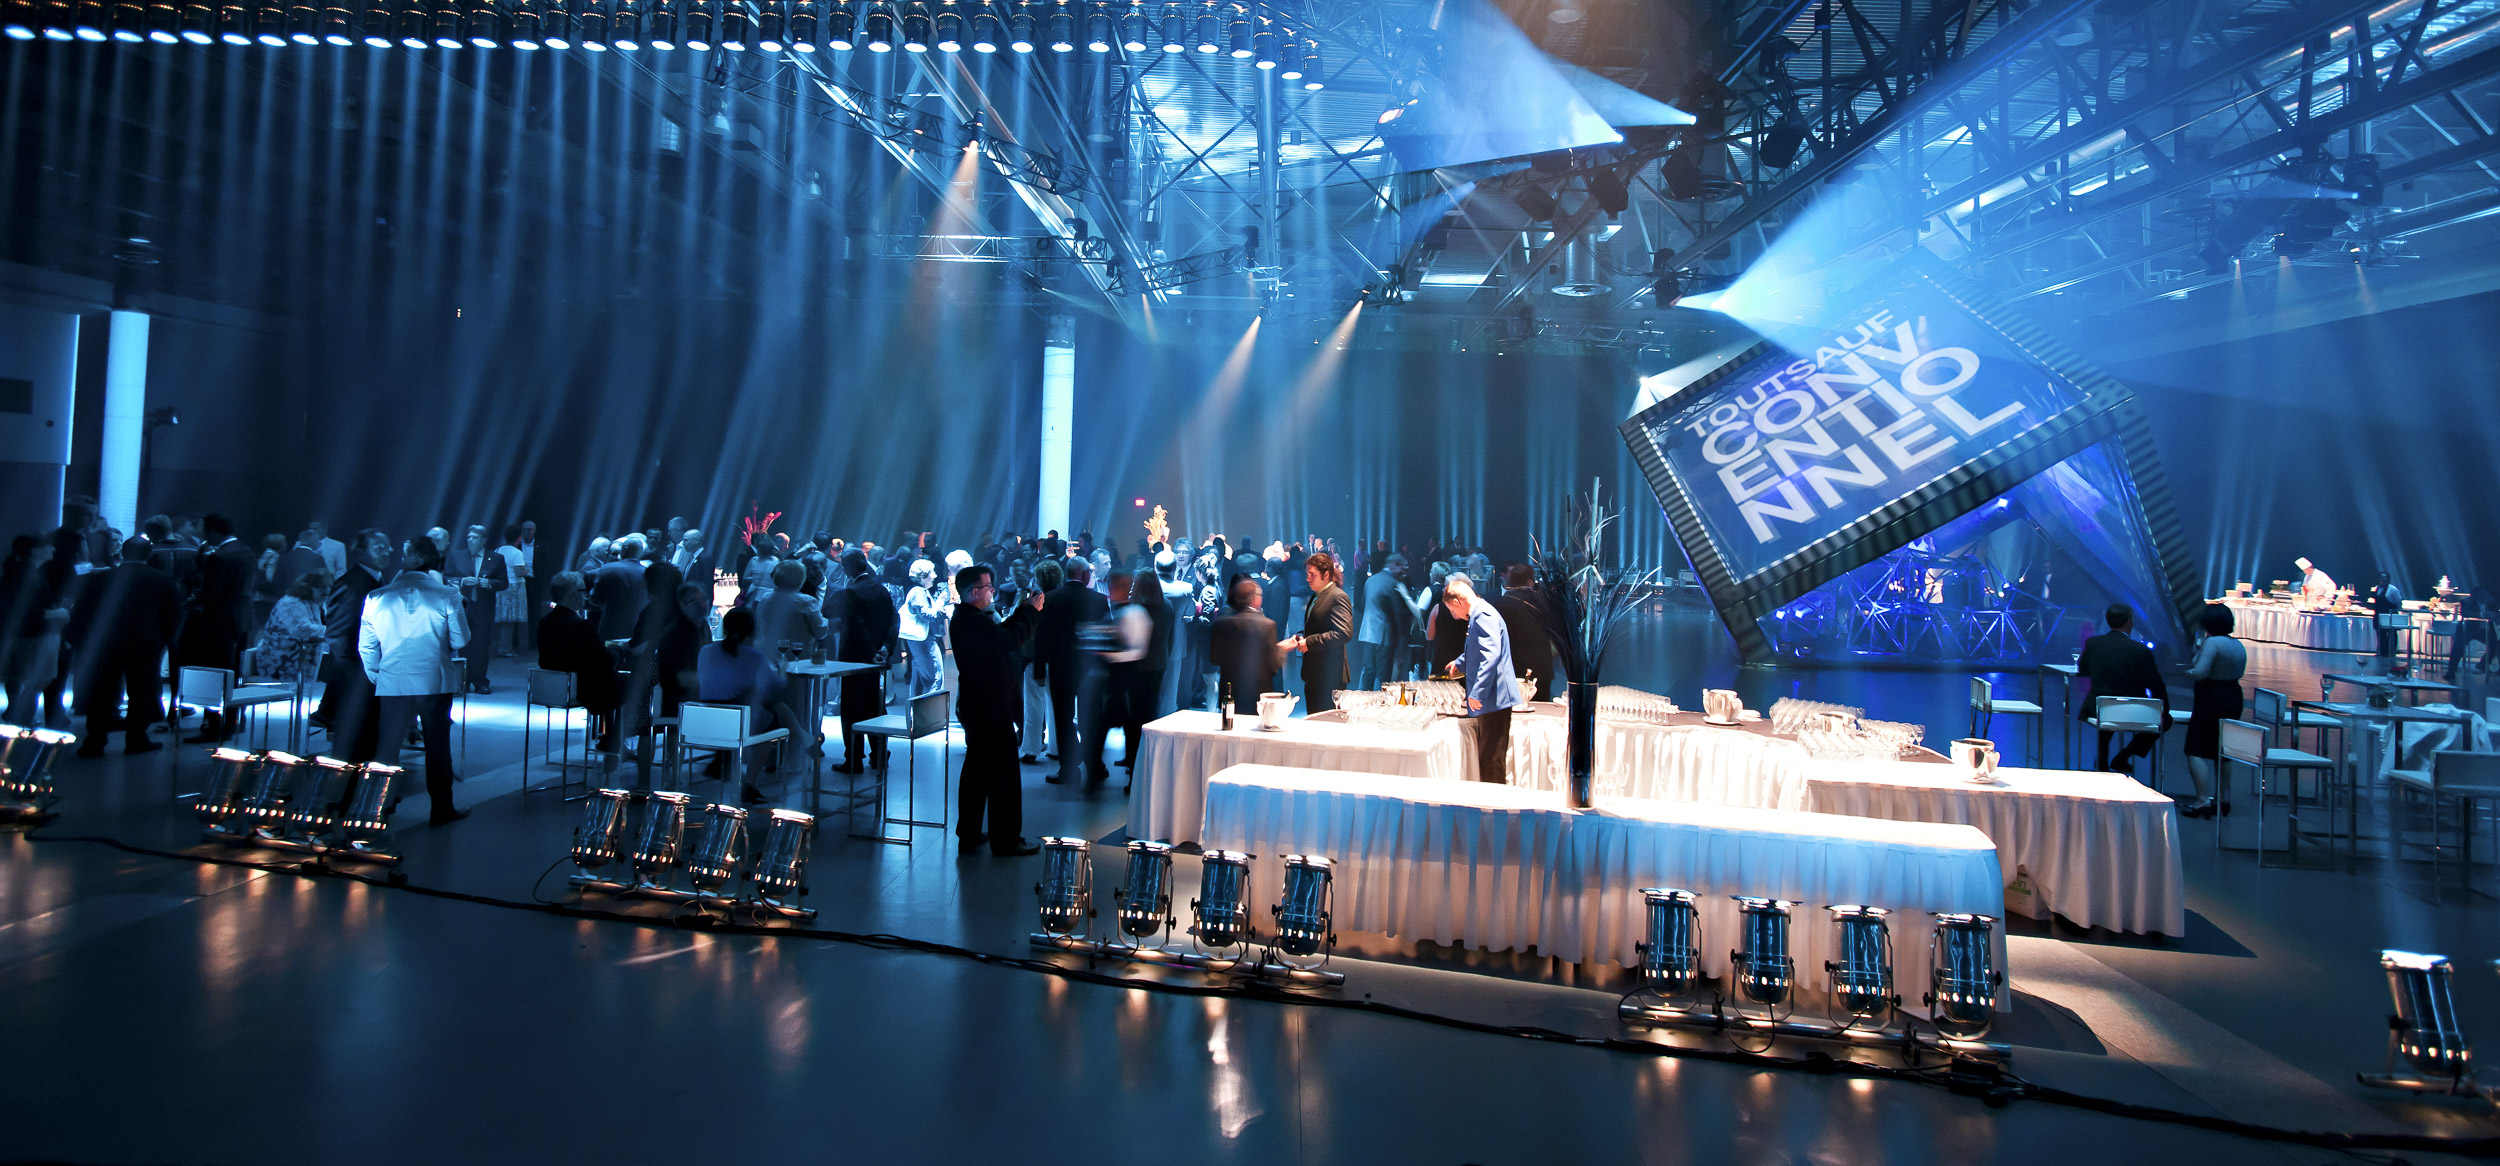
1058 425
125 419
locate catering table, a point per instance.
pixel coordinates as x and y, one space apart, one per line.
2277 622
2101 849
1182 750
1742 765
1500 867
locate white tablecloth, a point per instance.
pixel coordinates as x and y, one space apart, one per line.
1501 867
2101 849
1183 750
2277 623
1675 763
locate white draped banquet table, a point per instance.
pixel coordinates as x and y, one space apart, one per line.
2278 623
1735 766
1182 750
1505 868
2100 848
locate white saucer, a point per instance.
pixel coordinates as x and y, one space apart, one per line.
1719 723
1267 728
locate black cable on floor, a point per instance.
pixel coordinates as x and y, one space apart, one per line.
1963 1077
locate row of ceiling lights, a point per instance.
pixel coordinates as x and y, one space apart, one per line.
1245 32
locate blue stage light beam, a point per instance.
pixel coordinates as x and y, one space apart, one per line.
1621 105
1491 95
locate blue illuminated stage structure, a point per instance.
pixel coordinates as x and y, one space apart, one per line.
1873 487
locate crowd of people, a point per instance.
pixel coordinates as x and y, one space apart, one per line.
1048 644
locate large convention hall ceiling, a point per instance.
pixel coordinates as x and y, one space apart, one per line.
2128 159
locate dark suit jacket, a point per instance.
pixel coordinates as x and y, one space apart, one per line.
869 621
568 643
2119 666
1247 656
1327 627
1065 610
295 562
127 613
344 618
616 597
989 664
1531 639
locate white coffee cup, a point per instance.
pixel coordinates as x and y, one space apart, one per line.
1977 757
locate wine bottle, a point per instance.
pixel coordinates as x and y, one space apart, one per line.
1224 698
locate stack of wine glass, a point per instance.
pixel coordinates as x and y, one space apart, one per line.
1790 715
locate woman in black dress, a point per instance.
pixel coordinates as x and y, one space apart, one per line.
2220 662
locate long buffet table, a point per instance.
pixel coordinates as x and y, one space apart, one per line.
2099 849
1506 868
2276 622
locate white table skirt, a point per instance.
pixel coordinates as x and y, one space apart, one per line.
1501 867
2101 849
1182 750
1675 763
2322 630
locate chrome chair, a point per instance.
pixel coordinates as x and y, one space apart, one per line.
2462 777
560 694
2132 714
925 716
722 729
2250 744
1985 708
217 689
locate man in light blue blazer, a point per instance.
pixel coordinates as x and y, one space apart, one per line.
1492 684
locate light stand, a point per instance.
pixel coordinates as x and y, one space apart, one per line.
1858 992
1670 959
1219 931
714 862
279 800
2424 1031
599 841
1962 977
1861 998
658 843
1066 892
220 801
1143 908
26 757
779 877
1305 924
364 829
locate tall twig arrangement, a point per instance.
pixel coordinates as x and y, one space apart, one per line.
1582 603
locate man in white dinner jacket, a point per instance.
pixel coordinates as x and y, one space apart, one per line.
414 628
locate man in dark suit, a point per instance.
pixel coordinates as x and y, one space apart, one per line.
1243 645
1327 627
1384 625
2118 664
1523 611
1063 663
118 631
869 627
300 560
569 642
617 593
219 613
348 707
989 703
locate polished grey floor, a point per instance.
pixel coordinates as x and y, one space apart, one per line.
166 1010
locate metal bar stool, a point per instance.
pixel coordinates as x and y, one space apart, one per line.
1985 708
925 716
560 694
2455 775
724 729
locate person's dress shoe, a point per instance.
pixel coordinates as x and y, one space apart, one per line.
752 796
1057 779
1018 850
142 747
442 819
482 689
967 848
1028 759
850 767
